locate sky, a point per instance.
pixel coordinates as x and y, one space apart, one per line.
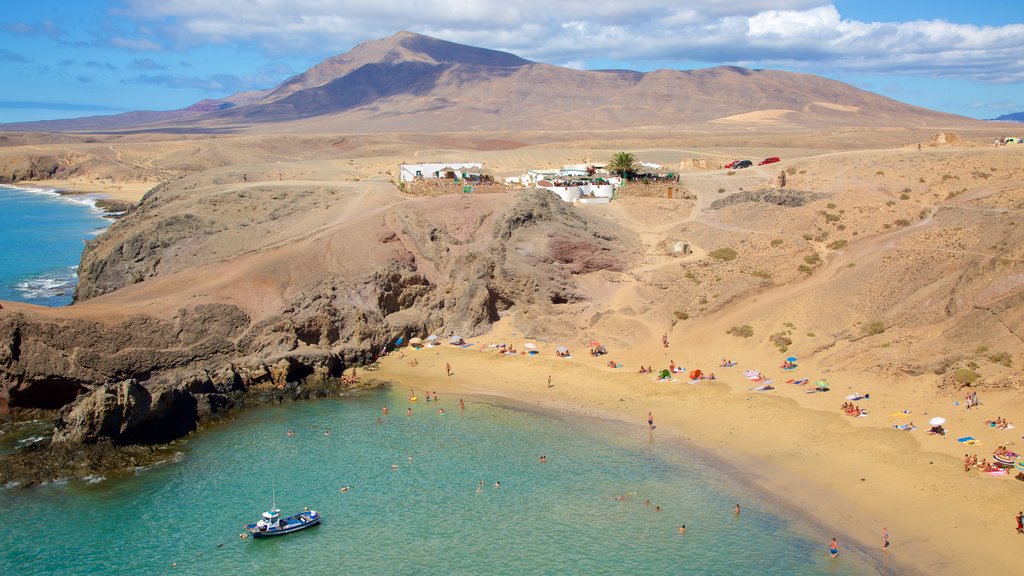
73 58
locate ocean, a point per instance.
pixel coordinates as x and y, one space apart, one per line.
421 499
42 234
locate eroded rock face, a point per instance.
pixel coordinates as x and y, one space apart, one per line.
18 167
447 263
113 411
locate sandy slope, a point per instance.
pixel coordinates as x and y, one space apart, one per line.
930 249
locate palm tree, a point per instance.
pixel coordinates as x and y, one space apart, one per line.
622 163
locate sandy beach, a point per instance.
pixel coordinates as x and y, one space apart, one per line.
854 476
128 191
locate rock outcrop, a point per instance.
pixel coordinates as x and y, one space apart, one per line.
18 167
448 263
126 413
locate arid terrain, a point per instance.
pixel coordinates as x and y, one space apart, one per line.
887 256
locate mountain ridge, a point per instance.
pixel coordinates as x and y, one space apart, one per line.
409 82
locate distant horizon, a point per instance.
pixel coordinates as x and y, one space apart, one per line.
113 56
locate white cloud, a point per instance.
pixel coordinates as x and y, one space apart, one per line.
135 44
810 34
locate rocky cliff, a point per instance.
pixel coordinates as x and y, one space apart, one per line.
442 264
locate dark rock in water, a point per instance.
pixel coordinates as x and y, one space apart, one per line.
40 463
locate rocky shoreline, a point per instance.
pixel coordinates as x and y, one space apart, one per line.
142 367
92 439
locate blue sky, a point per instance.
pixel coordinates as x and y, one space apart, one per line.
64 59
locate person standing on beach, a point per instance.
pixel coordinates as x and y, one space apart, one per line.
885 538
650 420
1020 522
448 368
664 340
462 405
833 547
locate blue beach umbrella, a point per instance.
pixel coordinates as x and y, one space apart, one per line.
791 359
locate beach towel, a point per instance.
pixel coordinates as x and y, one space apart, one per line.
966 440
903 414
764 388
999 472
800 382
752 373
856 396
904 427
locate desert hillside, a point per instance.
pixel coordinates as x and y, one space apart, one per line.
410 83
269 266
897 260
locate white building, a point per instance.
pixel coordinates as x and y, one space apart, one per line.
410 172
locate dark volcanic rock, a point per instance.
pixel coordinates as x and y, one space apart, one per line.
786 197
112 412
126 413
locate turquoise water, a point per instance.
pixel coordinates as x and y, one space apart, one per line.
41 239
424 516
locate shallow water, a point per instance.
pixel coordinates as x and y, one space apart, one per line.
42 235
425 516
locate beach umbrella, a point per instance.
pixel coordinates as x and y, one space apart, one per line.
664 374
530 345
937 421
562 349
415 341
1019 466
695 374
791 359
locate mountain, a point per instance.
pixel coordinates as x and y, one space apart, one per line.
1015 117
414 83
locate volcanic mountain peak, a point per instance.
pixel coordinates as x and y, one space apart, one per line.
399 48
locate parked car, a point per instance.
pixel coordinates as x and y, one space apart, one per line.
731 164
771 160
742 164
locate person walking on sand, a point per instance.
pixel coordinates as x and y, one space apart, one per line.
448 368
664 340
833 547
650 420
885 538
1020 522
